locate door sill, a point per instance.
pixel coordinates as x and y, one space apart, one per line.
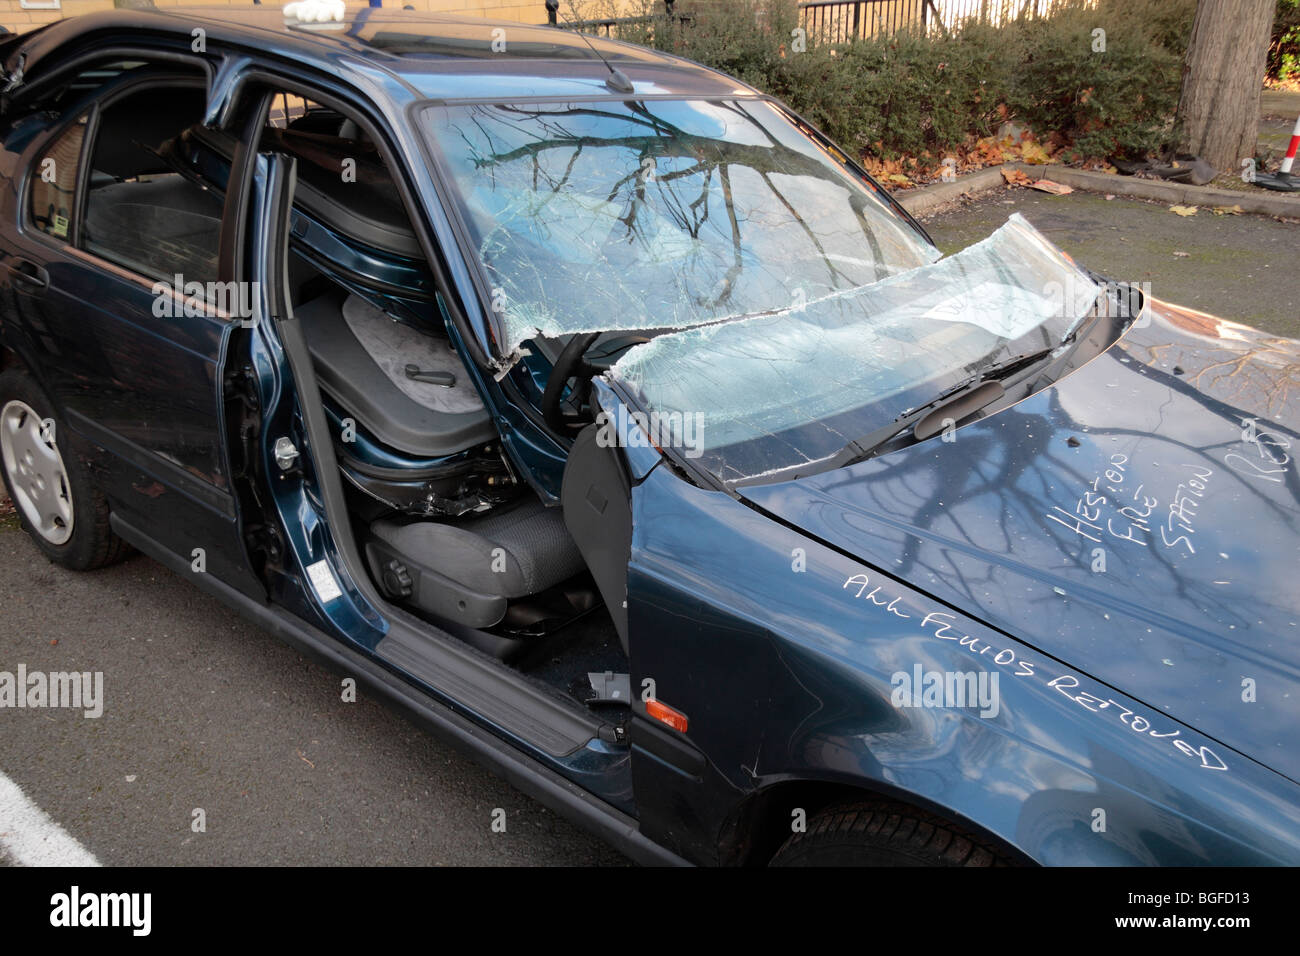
526 773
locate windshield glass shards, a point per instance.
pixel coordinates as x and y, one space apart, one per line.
775 391
659 214
789 310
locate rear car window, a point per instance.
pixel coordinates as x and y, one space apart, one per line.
140 212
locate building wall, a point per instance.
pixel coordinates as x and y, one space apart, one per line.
16 18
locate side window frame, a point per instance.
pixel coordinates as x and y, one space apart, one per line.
126 88
27 96
46 144
263 81
256 90
90 107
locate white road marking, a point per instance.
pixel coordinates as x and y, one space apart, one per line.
28 837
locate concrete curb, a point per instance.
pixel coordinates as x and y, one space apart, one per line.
920 202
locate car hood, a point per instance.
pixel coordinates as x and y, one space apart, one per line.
1138 520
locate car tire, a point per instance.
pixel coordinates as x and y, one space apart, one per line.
880 833
57 503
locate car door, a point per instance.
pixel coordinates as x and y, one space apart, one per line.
112 261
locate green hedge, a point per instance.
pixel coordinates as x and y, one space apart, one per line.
1284 49
908 95
1120 102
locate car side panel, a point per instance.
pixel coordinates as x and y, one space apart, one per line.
139 392
782 653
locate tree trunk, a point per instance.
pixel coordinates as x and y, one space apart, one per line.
1218 111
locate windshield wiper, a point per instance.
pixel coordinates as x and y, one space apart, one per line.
993 372
925 422
953 404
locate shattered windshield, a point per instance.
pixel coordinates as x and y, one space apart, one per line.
659 214
789 311
771 392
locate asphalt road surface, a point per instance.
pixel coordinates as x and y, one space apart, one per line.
202 711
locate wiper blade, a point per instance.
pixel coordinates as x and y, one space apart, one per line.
958 402
954 404
1000 370
925 422
994 372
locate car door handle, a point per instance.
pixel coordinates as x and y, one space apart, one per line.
29 275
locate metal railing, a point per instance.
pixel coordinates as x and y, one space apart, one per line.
610 26
838 21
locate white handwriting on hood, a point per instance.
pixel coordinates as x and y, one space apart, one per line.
940 625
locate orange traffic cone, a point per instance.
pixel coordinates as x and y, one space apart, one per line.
1282 180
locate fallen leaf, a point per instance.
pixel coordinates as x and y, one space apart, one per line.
1233 210
987 151
899 178
1184 210
1034 154
1056 189
1015 177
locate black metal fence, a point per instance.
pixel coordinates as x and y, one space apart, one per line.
611 26
839 21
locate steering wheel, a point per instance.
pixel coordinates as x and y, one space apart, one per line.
570 365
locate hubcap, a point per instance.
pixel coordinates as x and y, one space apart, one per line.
36 473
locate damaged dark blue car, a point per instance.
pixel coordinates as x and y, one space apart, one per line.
594 409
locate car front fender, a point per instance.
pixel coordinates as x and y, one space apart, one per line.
785 656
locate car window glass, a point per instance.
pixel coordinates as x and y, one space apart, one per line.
54 182
140 212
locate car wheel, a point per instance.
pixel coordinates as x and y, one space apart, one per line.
52 492
882 834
